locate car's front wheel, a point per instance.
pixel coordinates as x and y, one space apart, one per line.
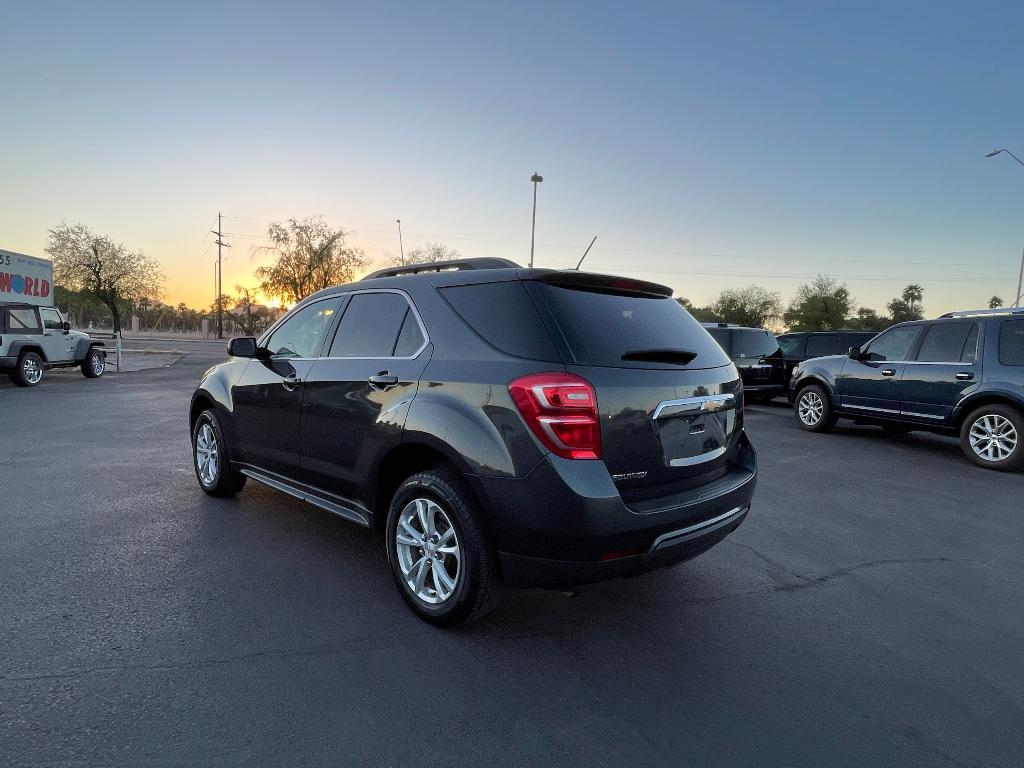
210 459
94 364
813 409
29 371
438 550
993 437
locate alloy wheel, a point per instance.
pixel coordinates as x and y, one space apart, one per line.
207 455
810 408
993 437
32 370
98 363
429 552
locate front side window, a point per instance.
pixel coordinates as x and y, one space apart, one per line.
949 343
894 344
373 325
52 321
302 334
23 320
1011 342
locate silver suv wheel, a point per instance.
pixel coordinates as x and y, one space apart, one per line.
31 369
429 552
207 455
99 363
993 437
810 408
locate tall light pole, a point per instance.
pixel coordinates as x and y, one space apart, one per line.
1020 275
401 248
536 179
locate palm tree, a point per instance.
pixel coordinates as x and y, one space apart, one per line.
913 294
995 302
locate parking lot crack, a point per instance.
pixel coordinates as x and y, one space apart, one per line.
851 569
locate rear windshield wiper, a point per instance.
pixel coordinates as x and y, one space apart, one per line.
672 356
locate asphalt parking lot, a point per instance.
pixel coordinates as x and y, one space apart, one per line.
869 612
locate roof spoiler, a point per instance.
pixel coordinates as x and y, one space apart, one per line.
455 265
588 281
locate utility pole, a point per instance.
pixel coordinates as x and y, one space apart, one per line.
220 288
1020 275
401 249
536 179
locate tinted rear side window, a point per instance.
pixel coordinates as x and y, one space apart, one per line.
1011 342
601 327
824 344
791 346
504 315
946 343
751 343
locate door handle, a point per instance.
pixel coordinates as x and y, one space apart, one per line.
889 372
964 376
291 382
382 380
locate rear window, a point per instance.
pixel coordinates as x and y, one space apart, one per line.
751 343
504 316
1011 342
823 344
602 327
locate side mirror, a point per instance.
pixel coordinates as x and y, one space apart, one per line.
66 326
854 353
243 346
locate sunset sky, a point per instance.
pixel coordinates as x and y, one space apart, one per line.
707 145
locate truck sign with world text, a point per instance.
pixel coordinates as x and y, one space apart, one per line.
25 279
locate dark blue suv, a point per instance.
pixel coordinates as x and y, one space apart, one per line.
962 374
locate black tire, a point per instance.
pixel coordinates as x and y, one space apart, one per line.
816 403
1006 426
29 371
477 585
222 480
94 364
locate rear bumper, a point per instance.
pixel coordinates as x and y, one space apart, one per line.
677 547
566 524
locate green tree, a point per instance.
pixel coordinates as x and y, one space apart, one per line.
309 256
700 314
85 261
753 306
995 302
913 294
821 305
425 254
868 319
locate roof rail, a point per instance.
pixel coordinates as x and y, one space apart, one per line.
444 266
977 312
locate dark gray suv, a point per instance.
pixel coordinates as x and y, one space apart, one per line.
502 425
962 374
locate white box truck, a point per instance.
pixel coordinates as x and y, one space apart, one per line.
25 279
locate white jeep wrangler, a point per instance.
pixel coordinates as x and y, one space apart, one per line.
33 339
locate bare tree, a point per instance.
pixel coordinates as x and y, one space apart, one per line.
310 256
425 254
85 261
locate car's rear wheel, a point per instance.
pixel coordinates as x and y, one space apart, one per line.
94 364
813 409
993 437
440 557
210 458
29 371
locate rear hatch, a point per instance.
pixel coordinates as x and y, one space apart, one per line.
668 397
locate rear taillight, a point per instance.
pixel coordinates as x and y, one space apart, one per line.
561 409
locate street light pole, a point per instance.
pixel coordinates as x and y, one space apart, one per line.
1020 275
536 179
401 248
